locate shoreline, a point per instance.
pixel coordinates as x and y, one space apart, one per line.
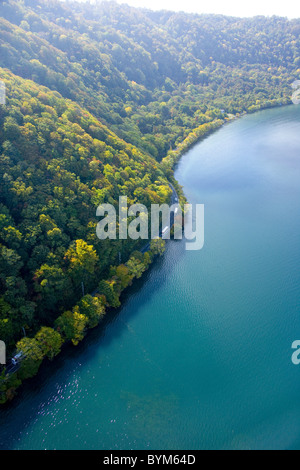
145 255
205 130
173 157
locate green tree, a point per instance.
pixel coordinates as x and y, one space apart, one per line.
122 272
135 267
93 309
82 258
157 246
72 325
49 341
32 357
53 284
110 291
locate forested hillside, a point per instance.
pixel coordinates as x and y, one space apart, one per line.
101 101
151 77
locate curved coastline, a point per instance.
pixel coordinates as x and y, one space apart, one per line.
128 354
169 164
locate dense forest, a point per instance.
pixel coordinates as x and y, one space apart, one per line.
101 101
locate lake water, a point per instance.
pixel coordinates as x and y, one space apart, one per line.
199 356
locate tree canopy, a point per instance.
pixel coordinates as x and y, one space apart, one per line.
101 101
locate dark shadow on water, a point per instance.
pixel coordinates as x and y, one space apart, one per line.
16 416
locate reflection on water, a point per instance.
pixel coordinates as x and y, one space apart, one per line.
151 415
199 356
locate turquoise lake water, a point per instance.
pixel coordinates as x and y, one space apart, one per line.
199 356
